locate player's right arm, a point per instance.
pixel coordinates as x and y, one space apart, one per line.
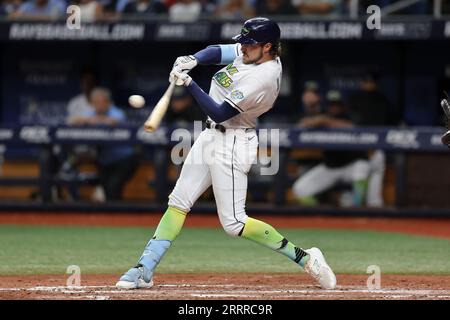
220 54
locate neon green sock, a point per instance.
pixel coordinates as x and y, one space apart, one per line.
359 192
170 224
266 235
308 201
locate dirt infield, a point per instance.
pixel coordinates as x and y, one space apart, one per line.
248 286
227 286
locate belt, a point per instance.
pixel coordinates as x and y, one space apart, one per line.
221 128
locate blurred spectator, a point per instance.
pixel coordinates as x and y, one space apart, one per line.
144 7
311 99
108 10
209 7
274 7
118 5
318 7
117 164
40 10
90 10
8 7
349 167
183 110
79 105
369 107
185 11
235 10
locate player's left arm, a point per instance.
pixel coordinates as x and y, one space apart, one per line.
212 55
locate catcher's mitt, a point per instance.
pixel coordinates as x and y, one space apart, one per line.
445 105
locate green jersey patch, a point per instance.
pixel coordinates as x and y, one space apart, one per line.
223 78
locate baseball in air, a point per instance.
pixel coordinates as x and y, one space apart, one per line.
136 101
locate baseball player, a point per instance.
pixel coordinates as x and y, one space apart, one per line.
350 167
240 92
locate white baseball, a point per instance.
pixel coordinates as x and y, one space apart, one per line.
136 101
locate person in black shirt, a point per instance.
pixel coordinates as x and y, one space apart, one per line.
338 166
370 107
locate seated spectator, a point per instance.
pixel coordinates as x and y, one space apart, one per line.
185 11
183 110
90 10
275 7
349 167
108 11
235 10
79 105
209 7
69 157
317 7
144 7
40 10
9 7
311 99
117 164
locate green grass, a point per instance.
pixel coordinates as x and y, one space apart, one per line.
49 250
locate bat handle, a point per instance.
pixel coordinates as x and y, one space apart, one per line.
170 89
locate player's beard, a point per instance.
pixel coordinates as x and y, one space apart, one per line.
260 55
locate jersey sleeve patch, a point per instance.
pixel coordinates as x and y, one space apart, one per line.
237 95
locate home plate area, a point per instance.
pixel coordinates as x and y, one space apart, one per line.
227 287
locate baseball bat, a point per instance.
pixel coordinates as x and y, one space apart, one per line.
158 112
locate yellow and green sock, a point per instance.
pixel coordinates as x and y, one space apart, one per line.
266 235
170 224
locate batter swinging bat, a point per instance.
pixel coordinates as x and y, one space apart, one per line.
154 119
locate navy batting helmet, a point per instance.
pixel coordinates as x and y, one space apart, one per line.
258 30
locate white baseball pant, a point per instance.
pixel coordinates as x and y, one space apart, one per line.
375 186
321 177
222 160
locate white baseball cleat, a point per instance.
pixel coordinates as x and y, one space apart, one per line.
133 279
318 268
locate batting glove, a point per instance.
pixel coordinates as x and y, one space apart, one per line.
186 63
172 77
181 78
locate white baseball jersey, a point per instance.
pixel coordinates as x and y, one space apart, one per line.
251 89
223 160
